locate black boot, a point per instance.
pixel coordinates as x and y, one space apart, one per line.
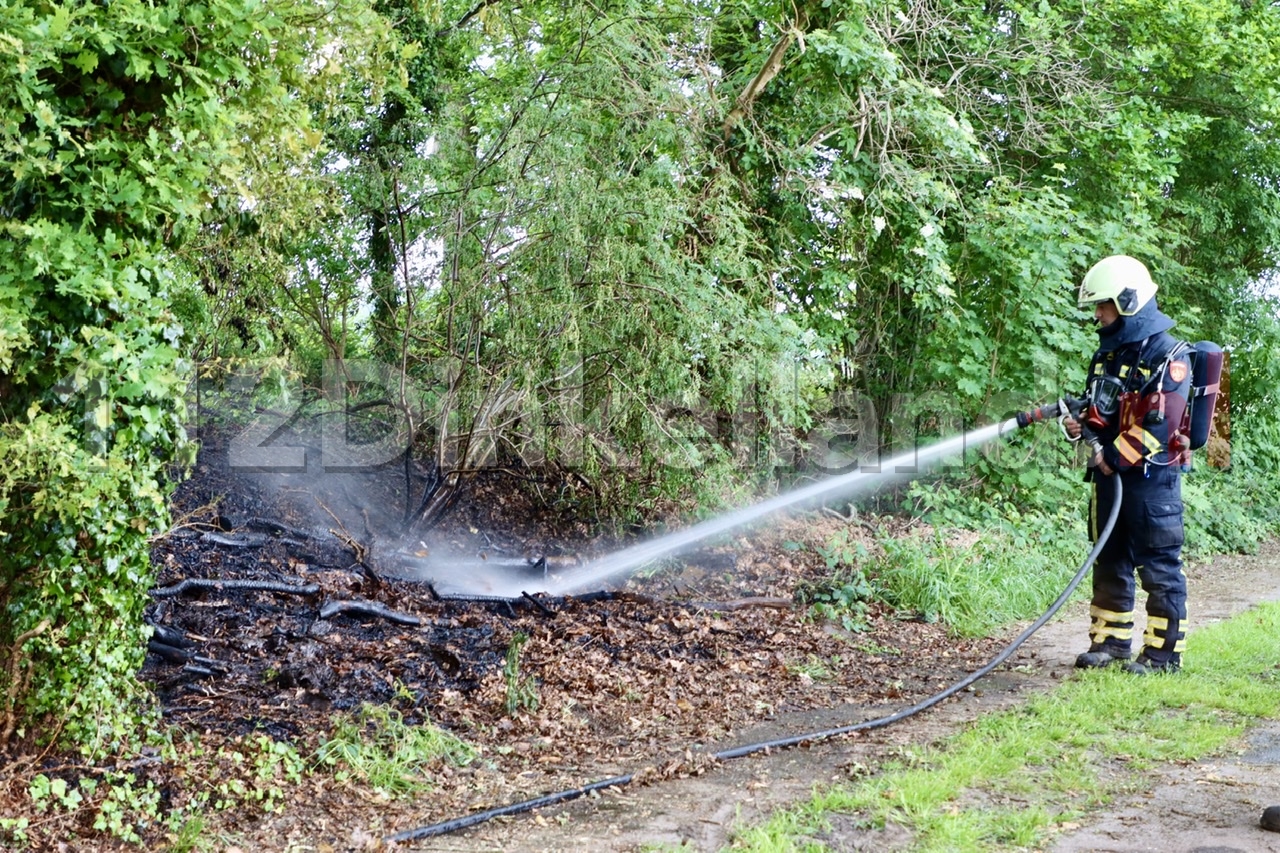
1146 665
1271 818
1100 655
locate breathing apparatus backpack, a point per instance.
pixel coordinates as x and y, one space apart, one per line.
1101 399
1125 393
1206 381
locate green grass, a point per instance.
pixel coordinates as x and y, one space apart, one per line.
978 584
1011 780
376 746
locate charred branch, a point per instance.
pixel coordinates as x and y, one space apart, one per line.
250 540
275 527
173 654
170 636
373 609
220 585
546 611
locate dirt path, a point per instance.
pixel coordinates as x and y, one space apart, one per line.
1209 807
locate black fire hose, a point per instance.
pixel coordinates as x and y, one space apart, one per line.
456 824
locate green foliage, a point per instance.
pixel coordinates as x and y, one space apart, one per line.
126 805
933 213
521 690
256 772
86 517
117 805
188 834
14 829
121 126
558 261
378 747
844 595
577 224
1229 511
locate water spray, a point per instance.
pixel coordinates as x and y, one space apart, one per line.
905 466
511 579
508 581
846 485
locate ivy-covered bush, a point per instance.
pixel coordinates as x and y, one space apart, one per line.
121 126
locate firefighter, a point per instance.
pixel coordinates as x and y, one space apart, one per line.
1138 387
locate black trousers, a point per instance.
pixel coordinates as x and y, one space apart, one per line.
1146 541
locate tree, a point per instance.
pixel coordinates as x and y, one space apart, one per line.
624 210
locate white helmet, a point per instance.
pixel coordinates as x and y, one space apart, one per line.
1120 278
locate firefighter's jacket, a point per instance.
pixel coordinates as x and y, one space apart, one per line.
1151 425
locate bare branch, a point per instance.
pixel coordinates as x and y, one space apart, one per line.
771 68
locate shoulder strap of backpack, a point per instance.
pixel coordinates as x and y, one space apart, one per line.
1157 363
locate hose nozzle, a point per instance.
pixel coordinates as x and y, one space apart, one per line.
1065 406
1060 410
1044 413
